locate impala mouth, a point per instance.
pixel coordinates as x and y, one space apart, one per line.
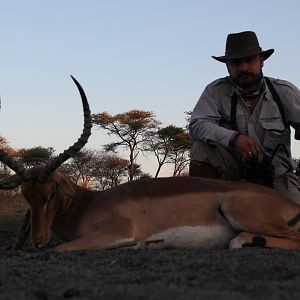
39 243
39 246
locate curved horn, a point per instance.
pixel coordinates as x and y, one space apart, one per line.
52 165
14 165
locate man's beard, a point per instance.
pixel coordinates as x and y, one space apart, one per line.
246 80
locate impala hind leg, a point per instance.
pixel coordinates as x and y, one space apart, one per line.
264 217
247 239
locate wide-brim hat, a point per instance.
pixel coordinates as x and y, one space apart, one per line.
243 44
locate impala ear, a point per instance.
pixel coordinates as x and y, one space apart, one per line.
11 182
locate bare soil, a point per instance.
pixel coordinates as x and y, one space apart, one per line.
250 273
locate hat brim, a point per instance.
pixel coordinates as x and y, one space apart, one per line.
265 54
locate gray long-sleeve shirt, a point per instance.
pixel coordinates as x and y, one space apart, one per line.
210 120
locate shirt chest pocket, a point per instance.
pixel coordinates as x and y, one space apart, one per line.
275 133
241 122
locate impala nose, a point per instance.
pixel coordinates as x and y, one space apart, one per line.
38 243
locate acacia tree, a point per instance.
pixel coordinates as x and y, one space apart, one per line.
131 128
36 155
5 147
79 167
160 143
109 170
4 170
139 174
179 154
170 145
188 115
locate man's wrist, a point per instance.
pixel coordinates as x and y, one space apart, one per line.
234 139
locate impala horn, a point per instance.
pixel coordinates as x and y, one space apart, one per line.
53 164
14 165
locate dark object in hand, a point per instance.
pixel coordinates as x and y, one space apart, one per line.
259 172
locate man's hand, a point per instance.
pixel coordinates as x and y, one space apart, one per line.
247 146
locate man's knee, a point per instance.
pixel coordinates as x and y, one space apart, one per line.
213 161
201 169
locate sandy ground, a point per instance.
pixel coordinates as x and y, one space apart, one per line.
147 274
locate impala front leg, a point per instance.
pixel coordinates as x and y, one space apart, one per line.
22 235
97 241
115 236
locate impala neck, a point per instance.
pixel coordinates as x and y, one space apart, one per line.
72 198
73 201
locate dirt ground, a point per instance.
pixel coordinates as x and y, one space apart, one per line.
146 274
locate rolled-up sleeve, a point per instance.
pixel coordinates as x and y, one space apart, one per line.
291 104
290 98
206 116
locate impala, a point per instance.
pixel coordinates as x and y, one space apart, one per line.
186 212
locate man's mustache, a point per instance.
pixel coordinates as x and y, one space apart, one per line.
245 74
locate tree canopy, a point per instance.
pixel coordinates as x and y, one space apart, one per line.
36 155
170 145
131 128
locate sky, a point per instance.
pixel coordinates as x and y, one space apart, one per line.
131 54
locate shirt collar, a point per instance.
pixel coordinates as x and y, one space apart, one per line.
230 90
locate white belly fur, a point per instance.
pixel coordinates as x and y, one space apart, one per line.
202 237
